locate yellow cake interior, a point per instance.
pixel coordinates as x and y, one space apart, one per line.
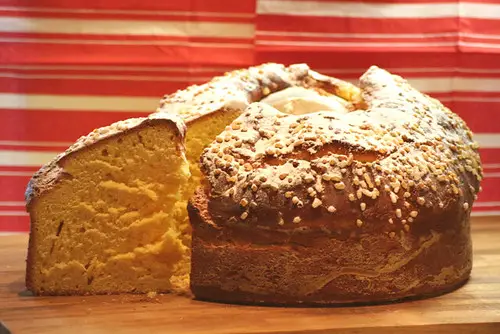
202 132
115 222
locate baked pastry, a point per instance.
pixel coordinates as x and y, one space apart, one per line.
331 207
104 214
109 214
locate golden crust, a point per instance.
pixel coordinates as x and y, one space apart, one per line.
403 154
392 172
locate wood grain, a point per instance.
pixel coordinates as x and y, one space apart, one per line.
474 308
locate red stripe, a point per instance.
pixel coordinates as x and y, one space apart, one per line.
14 223
362 60
323 24
13 188
40 125
479 116
491 190
18 169
424 58
490 155
353 39
480 26
357 48
220 6
65 86
38 53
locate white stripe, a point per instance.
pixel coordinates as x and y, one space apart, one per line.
453 84
126 27
124 11
350 9
480 45
491 165
15 173
491 175
480 10
378 10
484 213
456 84
125 42
6 234
13 213
25 158
381 44
103 77
374 35
488 140
35 143
77 103
482 204
7 203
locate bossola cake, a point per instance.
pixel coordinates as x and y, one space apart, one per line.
273 185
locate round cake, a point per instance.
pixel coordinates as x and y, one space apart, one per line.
312 198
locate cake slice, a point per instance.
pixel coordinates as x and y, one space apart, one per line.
108 215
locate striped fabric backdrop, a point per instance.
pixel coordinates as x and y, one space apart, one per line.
69 66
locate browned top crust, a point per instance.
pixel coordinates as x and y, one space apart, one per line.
45 178
237 89
403 154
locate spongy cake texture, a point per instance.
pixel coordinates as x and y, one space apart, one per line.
110 223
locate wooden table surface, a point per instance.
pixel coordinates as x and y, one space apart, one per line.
474 308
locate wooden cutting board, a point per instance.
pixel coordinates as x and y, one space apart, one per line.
474 308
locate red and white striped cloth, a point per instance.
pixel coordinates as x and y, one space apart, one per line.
69 66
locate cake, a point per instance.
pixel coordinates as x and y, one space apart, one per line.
331 207
311 191
105 213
